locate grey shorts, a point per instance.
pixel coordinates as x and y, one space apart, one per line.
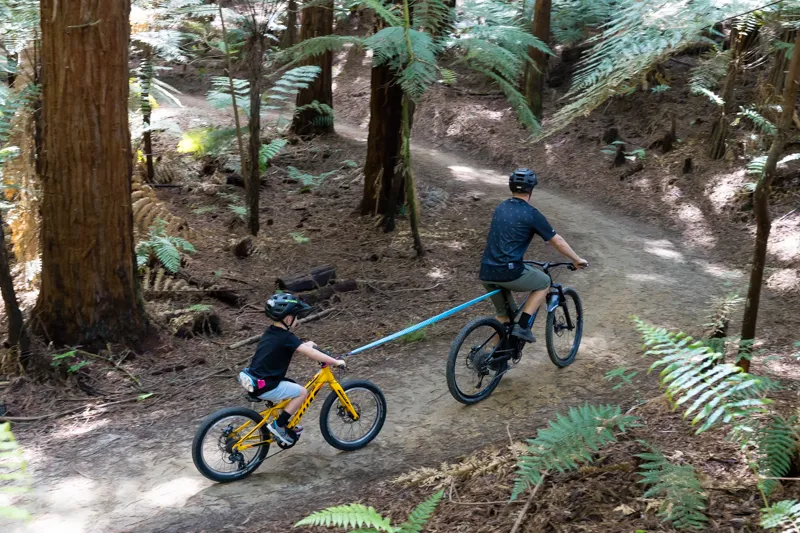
284 390
532 279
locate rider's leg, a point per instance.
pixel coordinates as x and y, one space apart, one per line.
285 389
537 283
499 301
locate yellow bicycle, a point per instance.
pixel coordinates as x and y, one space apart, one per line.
232 443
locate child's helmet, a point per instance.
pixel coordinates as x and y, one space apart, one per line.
283 304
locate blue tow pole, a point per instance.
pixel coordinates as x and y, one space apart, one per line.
423 324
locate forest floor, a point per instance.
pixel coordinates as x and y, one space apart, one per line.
129 467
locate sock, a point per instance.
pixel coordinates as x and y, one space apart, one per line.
525 320
283 419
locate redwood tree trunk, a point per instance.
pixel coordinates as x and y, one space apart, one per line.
719 131
534 77
255 58
761 209
289 37
383 185
88 291
317 21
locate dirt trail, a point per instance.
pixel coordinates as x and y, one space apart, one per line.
635 269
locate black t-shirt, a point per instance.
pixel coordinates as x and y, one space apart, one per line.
514 224
273 356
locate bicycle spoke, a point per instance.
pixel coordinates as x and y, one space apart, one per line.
341 423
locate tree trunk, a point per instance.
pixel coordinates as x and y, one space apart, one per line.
719 131
145 81
252 183
408 177
535 73
317 21
761 210
381 180
289 37
88 292
777 75
16 324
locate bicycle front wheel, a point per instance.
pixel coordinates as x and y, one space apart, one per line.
564 336
339 428
471 376
215 452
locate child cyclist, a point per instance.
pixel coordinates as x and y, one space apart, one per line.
265 378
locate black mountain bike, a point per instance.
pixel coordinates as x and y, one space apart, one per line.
484 349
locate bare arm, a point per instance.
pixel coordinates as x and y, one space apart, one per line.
566 250
309 350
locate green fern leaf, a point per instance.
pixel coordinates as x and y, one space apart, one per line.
268 152
352 515
761 123
778 445
568 441
167 253
420 516
386 12
316 46
784 514
684 502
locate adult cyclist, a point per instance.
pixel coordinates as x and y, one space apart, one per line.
514 224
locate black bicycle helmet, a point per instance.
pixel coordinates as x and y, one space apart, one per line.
283 304
522 180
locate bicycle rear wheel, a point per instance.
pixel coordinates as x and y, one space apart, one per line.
213 450
563 339
471 377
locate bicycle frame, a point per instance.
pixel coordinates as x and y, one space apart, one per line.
320 379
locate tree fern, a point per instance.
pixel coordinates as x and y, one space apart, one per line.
692 372
709 73
350 515
165 248
571 20
683 502
784 515
430 15
568 441
323 112
642 34
777 442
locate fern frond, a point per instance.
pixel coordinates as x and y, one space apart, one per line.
683 501
389 13
167 253
421 514
568 441
431 15
353 515
761 123
514 97
777 442
219 96
268 152
316 46
757 165
12 469
692 371
714 97
784 514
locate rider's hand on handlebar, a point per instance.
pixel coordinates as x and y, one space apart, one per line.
580 263
341 363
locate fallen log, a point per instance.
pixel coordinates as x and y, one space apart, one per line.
324 293
307 281
225 295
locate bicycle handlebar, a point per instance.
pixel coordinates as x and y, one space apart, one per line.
547 266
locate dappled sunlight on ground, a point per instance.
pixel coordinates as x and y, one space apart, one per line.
664 248
461 122
784 240
697 230
175 492
720 271
784 280
723 189
654 278
79 429
464 173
